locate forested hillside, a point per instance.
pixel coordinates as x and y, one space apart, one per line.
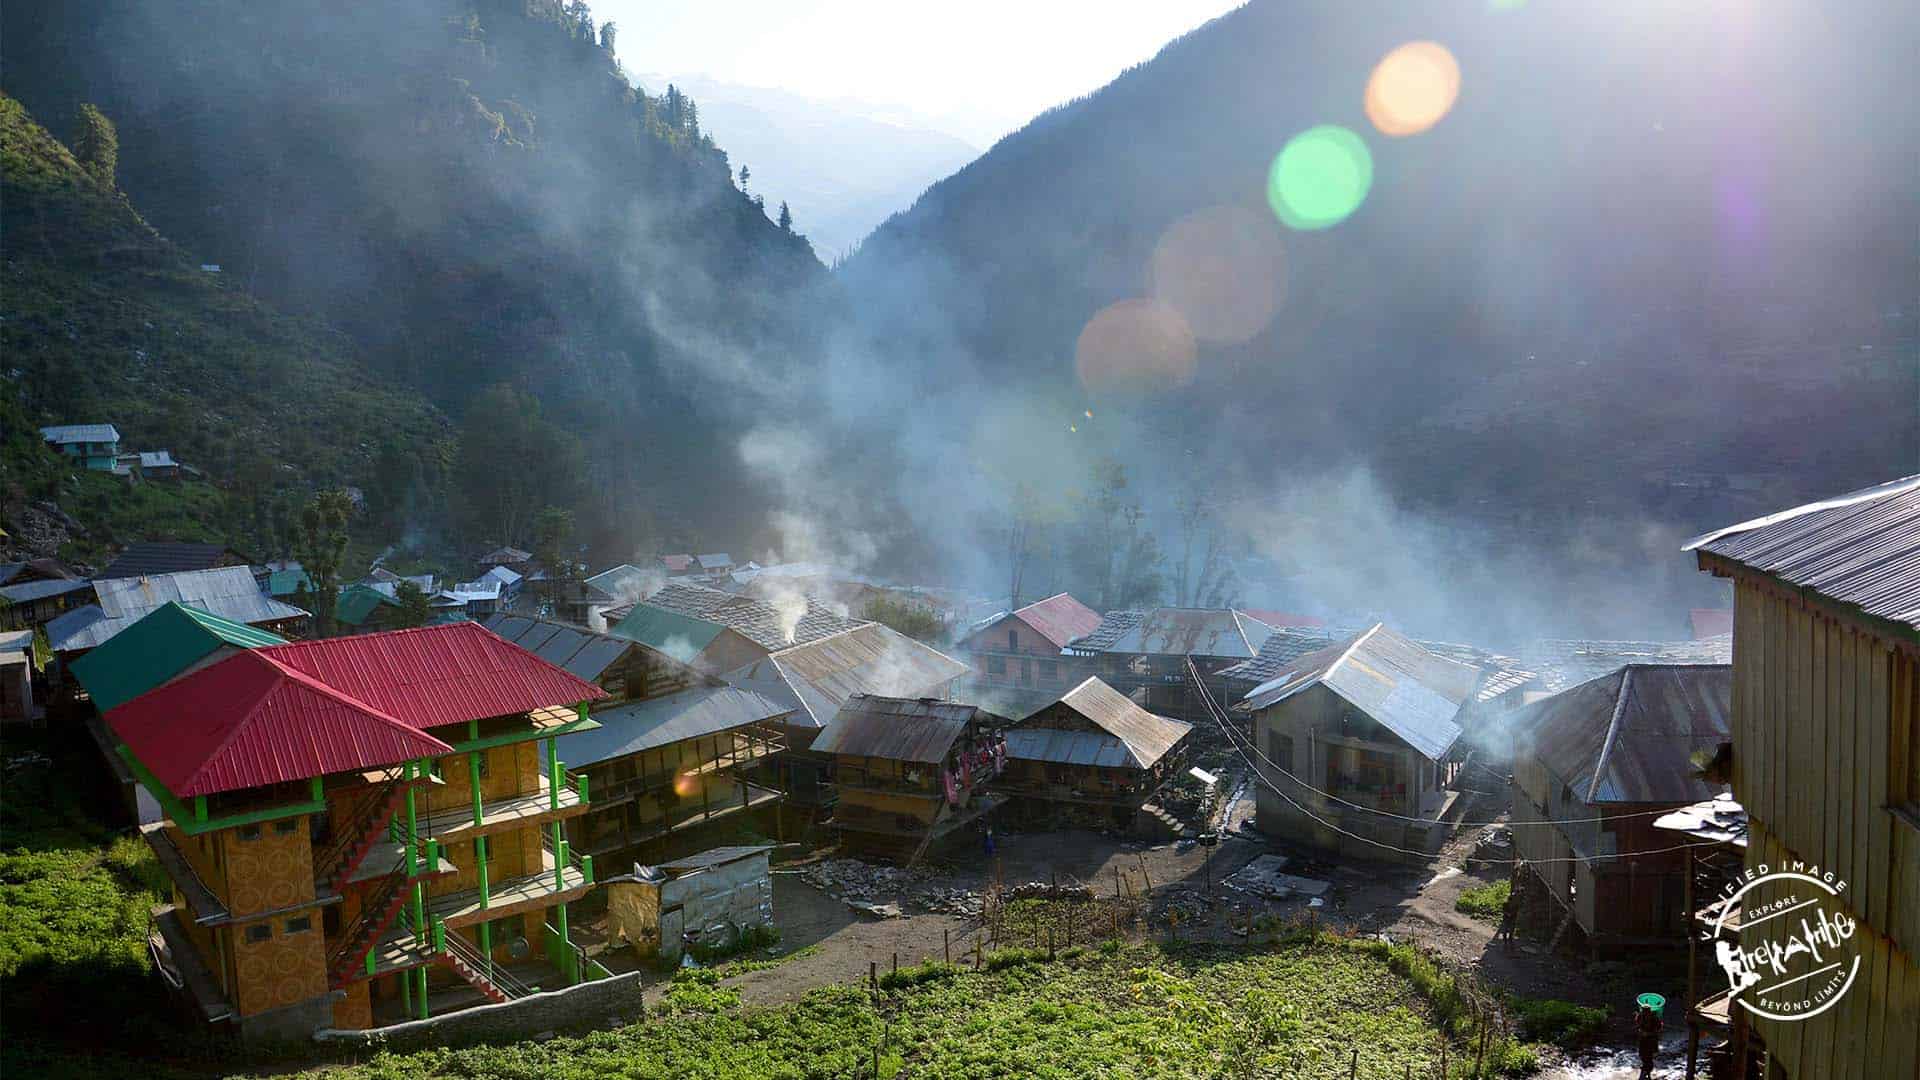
103 319
474 195
1594 298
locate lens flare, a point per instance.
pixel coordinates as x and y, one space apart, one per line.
1134 346
1412 88
1320 177
685 785
1221 269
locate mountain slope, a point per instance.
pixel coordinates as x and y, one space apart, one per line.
1648 249
841 170
103 319
472 192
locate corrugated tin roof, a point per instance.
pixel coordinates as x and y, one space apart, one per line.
679 636
718 561
250 721
1089 748
694 713
676 563
1629 736
818 677
1389 677
1861 549
1142 738
151 557
625 582
36 570
501 574
434 675
287 582
766 625
39 590
72 433
227 591
157 459
899 729
1718 820
158 647
1498 674
1217 632
357 604
1563 663
712 857
1277 653
582 652
505 555
1060 619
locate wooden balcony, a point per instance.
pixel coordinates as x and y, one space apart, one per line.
752 796
506 814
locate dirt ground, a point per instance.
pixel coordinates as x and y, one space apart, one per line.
837 943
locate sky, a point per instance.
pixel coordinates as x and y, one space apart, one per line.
978 70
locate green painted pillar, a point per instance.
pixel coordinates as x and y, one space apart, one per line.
480 859
422 969
439 935
486 945
586 867
473 778
406 991
559 857
553 773
413 824
419 908
319 790
200 809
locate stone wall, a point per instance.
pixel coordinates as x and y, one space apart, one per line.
602 1003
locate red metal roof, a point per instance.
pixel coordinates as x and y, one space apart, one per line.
1059 618
436 675
249 721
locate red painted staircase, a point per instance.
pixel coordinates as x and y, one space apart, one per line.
357 836
376 916
490 979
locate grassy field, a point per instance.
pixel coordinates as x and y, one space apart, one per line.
1484 902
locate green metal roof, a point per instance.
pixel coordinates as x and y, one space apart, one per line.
358 602
679 636
286 582
169 640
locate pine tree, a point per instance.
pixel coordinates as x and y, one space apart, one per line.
786 217
97 146
745 174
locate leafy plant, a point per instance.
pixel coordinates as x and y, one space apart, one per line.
1484 901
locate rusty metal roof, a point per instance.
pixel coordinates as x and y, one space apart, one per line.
1059 618
818 677
1389 677
1168 631
1861 549
1134 737
1629 737
900 729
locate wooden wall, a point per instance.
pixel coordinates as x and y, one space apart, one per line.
1825 720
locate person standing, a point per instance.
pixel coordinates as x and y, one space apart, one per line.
1647 1025
1509 917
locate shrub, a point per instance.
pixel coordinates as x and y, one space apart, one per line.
923 972
1002 959
1484 901
1560 1022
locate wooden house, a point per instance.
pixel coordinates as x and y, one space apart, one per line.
362 829
16 677
1144 655
1600 759
1022 648
1825 757
150 558
229 592
90 446
1092 758
911 772
671 759
1355 747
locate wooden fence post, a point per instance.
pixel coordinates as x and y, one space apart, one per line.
946 943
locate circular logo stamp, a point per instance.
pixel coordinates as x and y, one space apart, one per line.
1796 955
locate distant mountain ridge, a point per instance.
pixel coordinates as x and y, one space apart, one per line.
841 169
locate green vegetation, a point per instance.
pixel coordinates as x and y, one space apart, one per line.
914 620
750 939
1484 901
1560 1022
741 967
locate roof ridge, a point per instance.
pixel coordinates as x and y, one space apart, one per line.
1621 697
1852 498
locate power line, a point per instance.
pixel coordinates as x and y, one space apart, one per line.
1213 711
1194 674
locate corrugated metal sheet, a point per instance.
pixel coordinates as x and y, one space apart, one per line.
820 676
711 857
1216 632
679 636
1564 663
760 622
357 604
899 729
1628 737
581 652
1719 820
227 591
1070 748
28 591
1113 626
1060 619
249 721
626 581
1143 737
152 557
719 561
1277 654
436 675
693 713
1860 549
1389 677
72 433
158 647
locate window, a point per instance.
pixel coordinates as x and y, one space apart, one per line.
248 832
1026 672
286 826
996 665
298 926
1013 641
259 932
1050 670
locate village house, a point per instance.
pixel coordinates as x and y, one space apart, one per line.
362 829
673 744
1354 746
1598 759
505 556
708 898
476 600
911 772
1144 655
1091 759
90 446
151 557
714 566
26 602
227 591
1825 757
1022 648
676 565
718 631
16 678
815 679
364 608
